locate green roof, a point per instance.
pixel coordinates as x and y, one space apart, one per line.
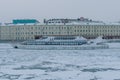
25 21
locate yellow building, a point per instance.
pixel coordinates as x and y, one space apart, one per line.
30 32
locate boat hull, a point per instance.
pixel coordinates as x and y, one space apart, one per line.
61 47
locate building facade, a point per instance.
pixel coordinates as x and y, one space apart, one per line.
30 32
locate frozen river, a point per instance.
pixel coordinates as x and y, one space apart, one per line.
19 64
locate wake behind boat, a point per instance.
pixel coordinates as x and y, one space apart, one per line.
59 43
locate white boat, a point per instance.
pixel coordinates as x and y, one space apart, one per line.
60 43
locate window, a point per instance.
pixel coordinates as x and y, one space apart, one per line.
31 32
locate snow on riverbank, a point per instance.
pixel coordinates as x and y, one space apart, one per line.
18 64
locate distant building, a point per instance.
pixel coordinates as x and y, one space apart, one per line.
56 21
76 27
69 21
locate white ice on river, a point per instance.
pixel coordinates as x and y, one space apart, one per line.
21 64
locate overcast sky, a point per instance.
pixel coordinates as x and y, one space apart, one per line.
104 10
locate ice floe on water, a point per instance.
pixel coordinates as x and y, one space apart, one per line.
18 64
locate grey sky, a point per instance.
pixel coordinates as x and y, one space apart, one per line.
105 10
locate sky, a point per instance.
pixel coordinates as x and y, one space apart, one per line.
103 10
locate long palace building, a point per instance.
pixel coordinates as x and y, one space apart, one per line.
27 29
